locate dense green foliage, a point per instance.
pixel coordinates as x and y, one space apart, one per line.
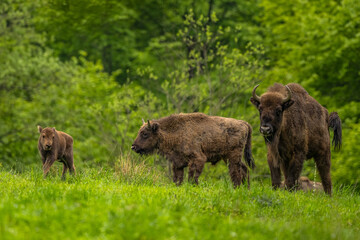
94 69
101 205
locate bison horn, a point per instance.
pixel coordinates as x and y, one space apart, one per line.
143 121
149 124
288 94
256 97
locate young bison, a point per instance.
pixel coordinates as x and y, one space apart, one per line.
55 145
195 138
306 185
295 128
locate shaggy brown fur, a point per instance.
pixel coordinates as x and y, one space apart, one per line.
306 185
195 138
296 127
55 145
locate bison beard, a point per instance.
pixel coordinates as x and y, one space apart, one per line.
190 140
296 128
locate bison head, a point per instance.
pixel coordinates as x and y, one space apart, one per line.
47 136
147 139
271 106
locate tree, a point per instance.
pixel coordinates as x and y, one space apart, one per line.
100 28
316 44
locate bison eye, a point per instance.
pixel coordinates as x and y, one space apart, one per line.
278 112
145 135
43 136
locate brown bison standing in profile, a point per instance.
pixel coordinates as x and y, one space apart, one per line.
55 145
195 138
295 128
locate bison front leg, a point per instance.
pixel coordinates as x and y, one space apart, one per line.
196 167
178 174
292 171
48 163
275 172
64 171
43 160
178 169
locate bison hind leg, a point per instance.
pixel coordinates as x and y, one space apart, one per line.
196 166
238 171
63 177
72 170
46 166
239 174
245 174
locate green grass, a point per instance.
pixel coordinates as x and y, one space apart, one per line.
99 204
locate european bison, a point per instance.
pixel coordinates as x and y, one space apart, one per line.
295 128
306 185
55 145
195 138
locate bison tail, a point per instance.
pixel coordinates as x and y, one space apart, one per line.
247 152
335 124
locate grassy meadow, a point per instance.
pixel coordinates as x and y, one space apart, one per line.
95 69
136 201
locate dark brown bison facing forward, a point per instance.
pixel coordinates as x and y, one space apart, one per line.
55 145
295 128
195 138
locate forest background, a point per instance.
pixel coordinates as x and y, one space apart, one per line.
95 68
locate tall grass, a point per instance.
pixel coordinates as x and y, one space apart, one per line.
136 170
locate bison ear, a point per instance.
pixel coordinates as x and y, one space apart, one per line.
39 128
255 102
155 127
287 104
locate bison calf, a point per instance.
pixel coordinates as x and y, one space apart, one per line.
306 185
55 145
190 140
